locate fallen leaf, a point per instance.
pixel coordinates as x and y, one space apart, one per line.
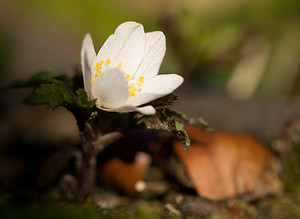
124 176
224 164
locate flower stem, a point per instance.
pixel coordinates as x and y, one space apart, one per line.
87 171
93 143
87 175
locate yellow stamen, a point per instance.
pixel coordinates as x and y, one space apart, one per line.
98 64
135 88
108 61
101 62
120 64
99 70
96 75
132 90
92 81
141 79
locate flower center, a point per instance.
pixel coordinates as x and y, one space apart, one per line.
133 89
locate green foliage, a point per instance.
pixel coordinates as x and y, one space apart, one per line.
52 95
167 120
53 91
82 99
179 128
173 122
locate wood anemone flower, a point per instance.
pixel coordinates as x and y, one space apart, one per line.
124 73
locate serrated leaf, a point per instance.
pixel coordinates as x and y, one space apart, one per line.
82 99
156 122
52 95
165 119
164 101
179 116
67 93
46 94
179 127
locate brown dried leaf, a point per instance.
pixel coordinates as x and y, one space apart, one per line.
224 164
124 176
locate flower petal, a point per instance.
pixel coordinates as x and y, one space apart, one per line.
126 46
110 88
146 110
154 54
88 55
155 87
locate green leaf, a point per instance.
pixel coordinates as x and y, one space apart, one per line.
179 127
179 116
52 95
82 99
46 94
67 93
167 120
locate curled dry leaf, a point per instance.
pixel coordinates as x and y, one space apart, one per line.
225 164
125 176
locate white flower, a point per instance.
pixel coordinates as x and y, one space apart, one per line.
123 75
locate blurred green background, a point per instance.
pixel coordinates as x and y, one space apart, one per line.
244 47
